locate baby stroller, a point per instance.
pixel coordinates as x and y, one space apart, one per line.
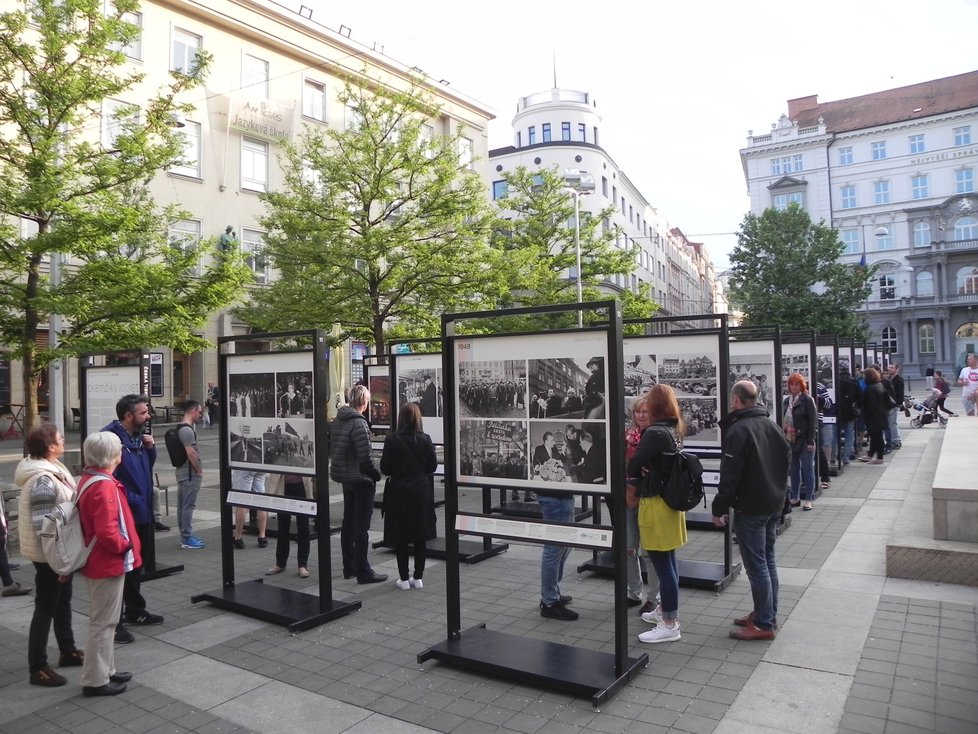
926 410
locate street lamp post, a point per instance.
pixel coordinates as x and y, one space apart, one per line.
579 183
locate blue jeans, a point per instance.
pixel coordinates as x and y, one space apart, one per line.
849 438
667 569
554 509
633 564
755 536
802 470
891 434
830 441
188 485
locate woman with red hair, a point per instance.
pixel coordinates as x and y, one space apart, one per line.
800 428
661 529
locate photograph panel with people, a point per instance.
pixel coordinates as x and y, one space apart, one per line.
493 448
492 389
294 394
567 387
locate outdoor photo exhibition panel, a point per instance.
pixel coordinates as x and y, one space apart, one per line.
501 438
827 374
755 360
378 377
101 387
418 379
274 421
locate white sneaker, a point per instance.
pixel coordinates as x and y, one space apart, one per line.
417 584
653 617
661 633
402 585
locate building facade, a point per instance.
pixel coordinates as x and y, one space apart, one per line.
562 127
894 173
274 72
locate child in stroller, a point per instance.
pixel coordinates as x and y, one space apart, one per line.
926 409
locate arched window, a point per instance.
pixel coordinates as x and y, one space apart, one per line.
921 234
888 339
925 283
925 339
966 228
967 280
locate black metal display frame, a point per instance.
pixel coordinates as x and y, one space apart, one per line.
575 670
824 340
470 551
295 610
692 573
150 569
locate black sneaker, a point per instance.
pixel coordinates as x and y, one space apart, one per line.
122 635
144 618
160 527
262 542
558 611
239 543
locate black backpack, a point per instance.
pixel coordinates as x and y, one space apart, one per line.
682 489
174 446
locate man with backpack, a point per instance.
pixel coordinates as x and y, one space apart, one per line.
135 473
181 444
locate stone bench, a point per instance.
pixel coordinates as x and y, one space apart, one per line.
955 492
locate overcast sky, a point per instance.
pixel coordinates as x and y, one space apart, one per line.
678 84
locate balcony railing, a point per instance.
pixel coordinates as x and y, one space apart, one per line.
951 299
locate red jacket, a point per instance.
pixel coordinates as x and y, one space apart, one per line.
99 508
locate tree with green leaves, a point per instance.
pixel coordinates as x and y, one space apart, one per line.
74 195
379 226
535 234
785 270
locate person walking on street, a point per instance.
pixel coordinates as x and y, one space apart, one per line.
352 465
944 387
135 473
753 474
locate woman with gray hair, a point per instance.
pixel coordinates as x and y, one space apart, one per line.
106 517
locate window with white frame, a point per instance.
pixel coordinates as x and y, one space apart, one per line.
921 234
254 76
886 285
847 197
189 164
114 120
254 164
133 49
888 339
312 177
183 50
879 150
787 164
845 155
253 250
781 201
466 159
925 283
967 280
314 100
966 228
881 192
926 339
185 235
918 187
850 241
915 144
964 181
884 241
962 135
353 118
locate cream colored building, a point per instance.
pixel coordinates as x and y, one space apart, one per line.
274 72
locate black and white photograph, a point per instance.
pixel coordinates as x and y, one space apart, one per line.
791 363
759 369
251 395
294 394
689 375
495 389
702 417
823 367
568 452
567 387
493 448
422 387
641 373
289 443
246 448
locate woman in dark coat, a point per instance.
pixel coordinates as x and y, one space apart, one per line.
876 408
409 498
801 430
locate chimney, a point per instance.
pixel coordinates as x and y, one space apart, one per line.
799 105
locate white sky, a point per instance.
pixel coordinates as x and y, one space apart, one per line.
679 83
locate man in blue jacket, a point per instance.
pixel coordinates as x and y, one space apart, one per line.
136 475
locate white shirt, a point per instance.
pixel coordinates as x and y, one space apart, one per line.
969 375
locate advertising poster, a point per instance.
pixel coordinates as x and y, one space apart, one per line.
418 379
754 360
103 388
690 365
270 411
532 412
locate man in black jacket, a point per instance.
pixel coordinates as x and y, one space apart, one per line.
850 408
753 480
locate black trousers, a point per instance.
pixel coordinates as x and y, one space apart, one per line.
358 508
52 603
133 602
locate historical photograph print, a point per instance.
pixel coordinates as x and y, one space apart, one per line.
493 448
246 448
289 443
641 374
251 395
701 416
380 399
567 387
689 375
572 452
421 386
758 368
495 389
823 368
294 394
